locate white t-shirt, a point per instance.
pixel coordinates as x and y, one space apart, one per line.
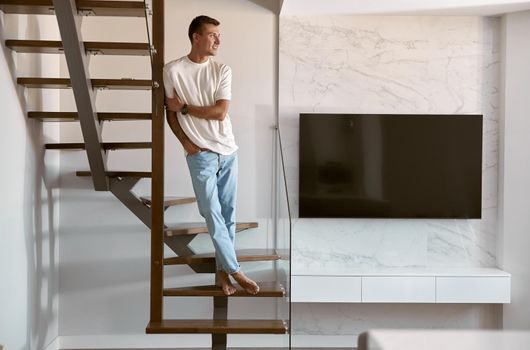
202 84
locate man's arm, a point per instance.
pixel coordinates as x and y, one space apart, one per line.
216 112
173 122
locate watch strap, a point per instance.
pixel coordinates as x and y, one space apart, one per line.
184 109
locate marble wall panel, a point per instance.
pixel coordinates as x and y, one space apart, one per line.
391 64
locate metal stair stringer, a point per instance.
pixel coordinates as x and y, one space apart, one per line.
180 245
121 189
76 58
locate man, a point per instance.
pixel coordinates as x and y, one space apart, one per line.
198 93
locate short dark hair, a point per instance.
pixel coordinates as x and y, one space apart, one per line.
198 22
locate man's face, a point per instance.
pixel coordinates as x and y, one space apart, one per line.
209 40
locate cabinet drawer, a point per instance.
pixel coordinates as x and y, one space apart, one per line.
473 289
400 289
325 289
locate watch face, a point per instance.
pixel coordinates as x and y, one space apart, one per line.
184 109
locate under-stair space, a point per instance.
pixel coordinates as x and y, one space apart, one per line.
108 113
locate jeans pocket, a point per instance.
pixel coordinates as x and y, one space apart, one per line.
194 154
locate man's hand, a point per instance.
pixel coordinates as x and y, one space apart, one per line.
190 147
174 104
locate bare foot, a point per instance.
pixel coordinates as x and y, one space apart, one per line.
248 285
223 281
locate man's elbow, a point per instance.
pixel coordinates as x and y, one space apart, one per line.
221 115
221 109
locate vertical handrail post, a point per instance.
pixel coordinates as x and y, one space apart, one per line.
157 164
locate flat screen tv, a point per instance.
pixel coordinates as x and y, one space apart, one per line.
390 166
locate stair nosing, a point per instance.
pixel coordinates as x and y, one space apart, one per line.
97 83
209 326
74 116
175 231
267 289
108 146
127 8
56 47
246 255
170 201
117 173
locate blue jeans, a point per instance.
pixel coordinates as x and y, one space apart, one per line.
214 178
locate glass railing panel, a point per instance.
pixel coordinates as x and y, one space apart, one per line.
283 238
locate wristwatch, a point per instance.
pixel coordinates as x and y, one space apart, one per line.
184 109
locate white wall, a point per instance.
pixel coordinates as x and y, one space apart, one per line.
29 207
514 187
104 248
394 64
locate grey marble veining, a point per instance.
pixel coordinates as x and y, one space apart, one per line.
363 64
340 319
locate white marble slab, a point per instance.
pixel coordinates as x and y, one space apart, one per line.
378 64
355 318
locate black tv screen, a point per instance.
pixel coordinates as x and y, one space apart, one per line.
390 166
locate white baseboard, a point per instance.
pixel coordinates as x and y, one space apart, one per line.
135 341
54 344
190 341
258 341
324 341
166 341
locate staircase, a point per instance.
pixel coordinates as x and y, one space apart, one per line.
149 209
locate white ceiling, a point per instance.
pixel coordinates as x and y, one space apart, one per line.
403 7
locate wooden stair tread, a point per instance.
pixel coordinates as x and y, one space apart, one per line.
218 326
266 289
96 8
193 228
64 83
108 146
170 201
244 255
56 47
145 174
73 116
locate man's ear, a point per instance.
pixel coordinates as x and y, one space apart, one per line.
195 37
